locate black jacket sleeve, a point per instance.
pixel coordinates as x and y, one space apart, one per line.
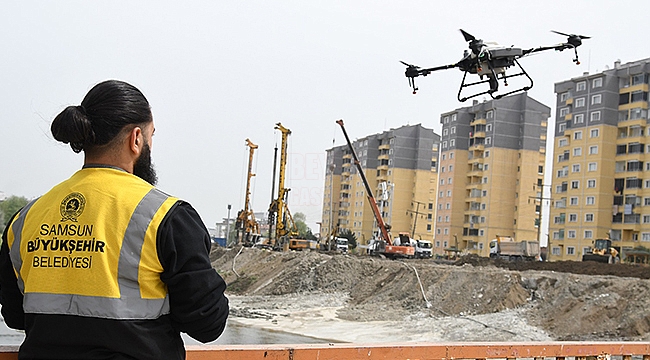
196 292
10 296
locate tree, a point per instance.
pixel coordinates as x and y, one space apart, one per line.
352 239
8 208
304 232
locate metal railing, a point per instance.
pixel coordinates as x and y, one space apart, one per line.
420 351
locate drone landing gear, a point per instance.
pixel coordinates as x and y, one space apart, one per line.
575 49
493 81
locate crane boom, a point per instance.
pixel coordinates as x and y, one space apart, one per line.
279 206
247 226
371 197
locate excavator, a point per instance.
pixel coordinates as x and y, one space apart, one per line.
383 245
602 252
279 214
248 229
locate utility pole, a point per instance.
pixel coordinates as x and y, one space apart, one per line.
228 225
541 198
417 213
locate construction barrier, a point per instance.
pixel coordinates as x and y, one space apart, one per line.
412 351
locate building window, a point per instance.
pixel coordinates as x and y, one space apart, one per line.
487 154
564 111
571 234
489 114
446 231
575 184
590 200
579 119
592 166
570 250
575 168
595 116
453 117
593 150
580 102
573 200
488 127
562 142
452 142
597 83
646 219
596 99
577 151
451 155
573 218
581 86
445 132
452 130
589 234
445 120
589 217
556 251
577 135
428 227
564 96
645 236
448 206
442 181
591 183
593 133
488 140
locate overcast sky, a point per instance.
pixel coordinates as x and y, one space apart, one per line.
218 72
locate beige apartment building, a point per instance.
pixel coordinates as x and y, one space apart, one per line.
401 168
491 173
601 173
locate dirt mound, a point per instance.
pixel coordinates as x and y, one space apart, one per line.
573 267
565 304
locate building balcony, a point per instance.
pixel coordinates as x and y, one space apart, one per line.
480 147
384 147
382 167
347 156
479 134
346 164
346 172
478 122
383 157
568 117
569 101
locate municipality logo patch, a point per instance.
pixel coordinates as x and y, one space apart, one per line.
72 206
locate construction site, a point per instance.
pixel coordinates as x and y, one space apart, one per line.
350 298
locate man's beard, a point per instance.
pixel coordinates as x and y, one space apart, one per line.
143 167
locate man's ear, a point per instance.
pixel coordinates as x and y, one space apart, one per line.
136 140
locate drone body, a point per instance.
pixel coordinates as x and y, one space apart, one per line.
490 61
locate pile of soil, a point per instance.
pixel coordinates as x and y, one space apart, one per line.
608 304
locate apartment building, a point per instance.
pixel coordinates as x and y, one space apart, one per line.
601 175
491 173
401 168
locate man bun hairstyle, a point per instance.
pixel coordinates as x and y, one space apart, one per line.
107 108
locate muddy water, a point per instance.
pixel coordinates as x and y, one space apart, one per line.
234 334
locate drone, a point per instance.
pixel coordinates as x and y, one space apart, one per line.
489 61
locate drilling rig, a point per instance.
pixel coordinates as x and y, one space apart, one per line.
248 229
279 214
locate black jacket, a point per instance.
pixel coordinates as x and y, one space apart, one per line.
198 306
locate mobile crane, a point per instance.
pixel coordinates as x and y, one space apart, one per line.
279 214
383 245
248 229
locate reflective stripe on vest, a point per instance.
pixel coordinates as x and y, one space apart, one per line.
130 304
14 253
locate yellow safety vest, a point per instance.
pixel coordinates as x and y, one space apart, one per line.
88 247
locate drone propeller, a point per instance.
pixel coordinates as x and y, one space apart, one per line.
573 39
411 73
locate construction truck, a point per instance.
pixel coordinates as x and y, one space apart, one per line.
505 247
423 248
342 245
302 244
602 251
381 246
